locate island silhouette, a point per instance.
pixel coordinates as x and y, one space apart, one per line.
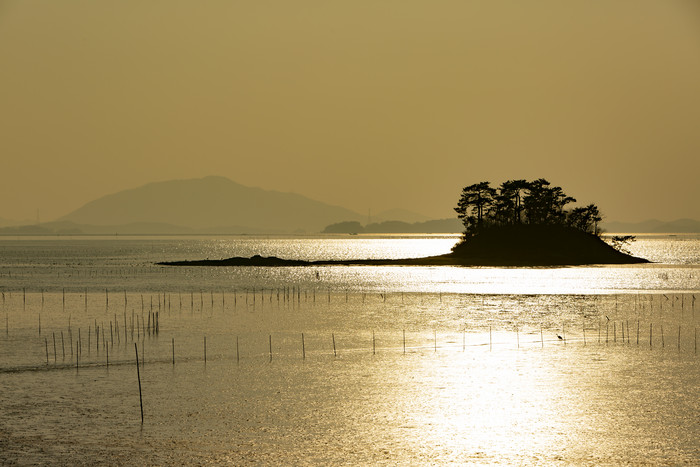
520 223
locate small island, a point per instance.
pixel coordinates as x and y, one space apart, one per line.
520 223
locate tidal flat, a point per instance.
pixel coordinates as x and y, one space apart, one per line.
343 365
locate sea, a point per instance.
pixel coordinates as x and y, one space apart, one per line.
107 357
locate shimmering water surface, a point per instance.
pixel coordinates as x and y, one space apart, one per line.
333 365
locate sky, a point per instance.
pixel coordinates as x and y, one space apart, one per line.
363 104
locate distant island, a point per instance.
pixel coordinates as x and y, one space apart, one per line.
521 223
395 227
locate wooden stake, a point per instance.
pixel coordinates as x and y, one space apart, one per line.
138 375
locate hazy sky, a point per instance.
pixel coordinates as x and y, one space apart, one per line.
365 104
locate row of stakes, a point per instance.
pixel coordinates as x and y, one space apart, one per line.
625 335
294 294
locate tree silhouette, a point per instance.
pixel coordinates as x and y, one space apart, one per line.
519 201
585 218
508 202
544 204
475 201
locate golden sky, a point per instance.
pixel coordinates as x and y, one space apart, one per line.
365 104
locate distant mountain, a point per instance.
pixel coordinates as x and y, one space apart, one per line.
654 226
210 204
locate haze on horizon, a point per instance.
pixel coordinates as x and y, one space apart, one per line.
363 104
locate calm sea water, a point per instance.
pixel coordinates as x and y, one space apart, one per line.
344 365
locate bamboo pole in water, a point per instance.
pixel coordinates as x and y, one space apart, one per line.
335 354
622 326
138 375
303 347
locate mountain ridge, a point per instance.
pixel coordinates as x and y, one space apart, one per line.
209 202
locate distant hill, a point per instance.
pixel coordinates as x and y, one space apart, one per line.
210 204
654 226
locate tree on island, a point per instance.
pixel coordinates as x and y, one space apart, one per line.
518 202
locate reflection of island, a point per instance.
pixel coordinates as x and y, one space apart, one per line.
519 224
